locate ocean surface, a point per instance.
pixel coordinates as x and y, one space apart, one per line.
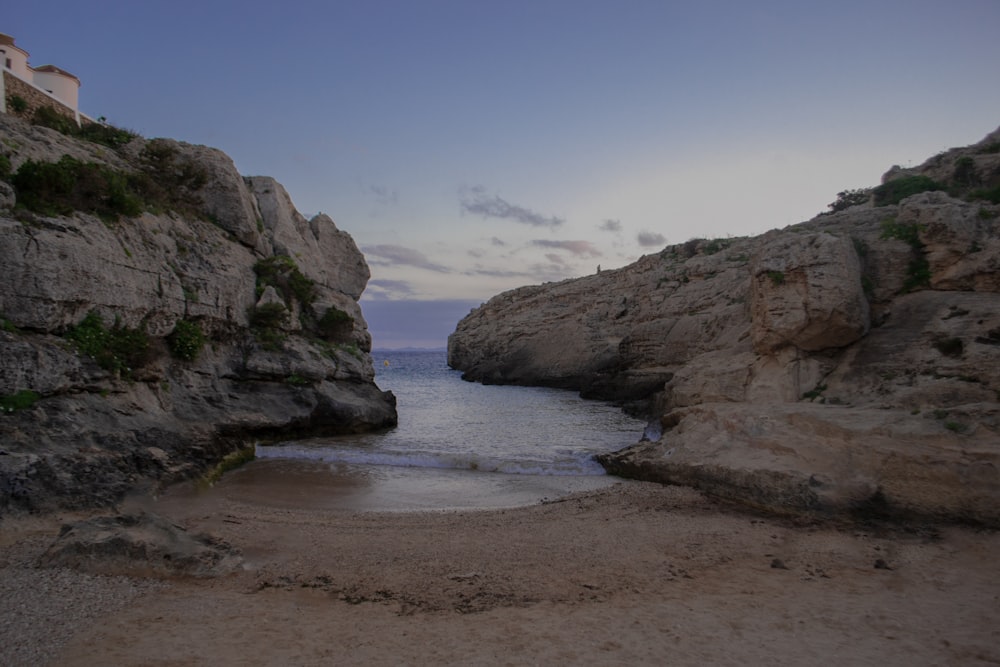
458 444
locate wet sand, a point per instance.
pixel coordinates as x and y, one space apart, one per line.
630 573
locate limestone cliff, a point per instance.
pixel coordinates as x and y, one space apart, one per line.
160 310
851 362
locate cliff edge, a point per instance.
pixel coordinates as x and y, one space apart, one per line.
847 364
159 310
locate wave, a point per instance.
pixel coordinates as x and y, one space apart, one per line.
582 465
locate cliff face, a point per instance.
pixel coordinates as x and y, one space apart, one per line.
139 348
851 362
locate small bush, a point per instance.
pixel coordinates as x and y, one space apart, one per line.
48 117
965 173
919 270
335 324
849 198
107 135
99 133
282 273
231 461
59 188
4 167
186 340
297 380
17 104
20 400
895 191
269 315
119 350
955 427
777 277
991 195
266 322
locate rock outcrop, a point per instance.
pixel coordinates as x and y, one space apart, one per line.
139 545
848 363
139 348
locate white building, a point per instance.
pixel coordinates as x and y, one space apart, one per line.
54 82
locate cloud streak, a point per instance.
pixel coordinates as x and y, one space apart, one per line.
397 254
613 226
578 248
475 200
647 239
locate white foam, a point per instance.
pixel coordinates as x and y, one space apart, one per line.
568 463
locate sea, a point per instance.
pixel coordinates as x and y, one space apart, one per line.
458 444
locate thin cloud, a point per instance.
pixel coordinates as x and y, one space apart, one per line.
578 248
613 226
396 254
647 239
475 200
498 242
384 290
384 195
555 259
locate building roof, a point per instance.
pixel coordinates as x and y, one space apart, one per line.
52 69
7 40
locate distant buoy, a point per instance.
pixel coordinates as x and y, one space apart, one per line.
385 363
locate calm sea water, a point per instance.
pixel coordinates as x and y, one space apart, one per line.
448 424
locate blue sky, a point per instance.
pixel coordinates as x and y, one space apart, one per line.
471 147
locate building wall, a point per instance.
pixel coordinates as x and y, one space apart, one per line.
15 87
60 85
18 60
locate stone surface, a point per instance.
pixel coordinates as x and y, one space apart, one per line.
87 440
139 545
828 367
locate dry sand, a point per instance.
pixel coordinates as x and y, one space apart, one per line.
630 574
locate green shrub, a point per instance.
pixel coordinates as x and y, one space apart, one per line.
849 198
59 188
231 461
17 104
991 195
965 173
335 324
119 350
282 273
269 315
4 167
297 380
99 133
20 400
895 191
266 322
777 277
48 117
918 273
186 340
107 135
168 180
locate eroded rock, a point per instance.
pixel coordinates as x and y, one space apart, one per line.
139 545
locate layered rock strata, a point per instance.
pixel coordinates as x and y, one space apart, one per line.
138 349
848 363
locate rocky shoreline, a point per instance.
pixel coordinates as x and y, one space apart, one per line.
162 317
850 363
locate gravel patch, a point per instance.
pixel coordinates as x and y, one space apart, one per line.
42 608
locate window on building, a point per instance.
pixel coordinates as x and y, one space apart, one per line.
8 65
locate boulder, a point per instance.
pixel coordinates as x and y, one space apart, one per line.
139 545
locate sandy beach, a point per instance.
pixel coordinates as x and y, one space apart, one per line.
630 573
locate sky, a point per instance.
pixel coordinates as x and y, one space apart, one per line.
471 147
